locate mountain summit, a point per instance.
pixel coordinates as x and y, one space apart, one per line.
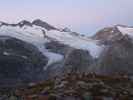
43 24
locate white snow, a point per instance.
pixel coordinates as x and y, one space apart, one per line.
112 31
53 58
25 57
126 30
35 36
23 34
6 53
77 42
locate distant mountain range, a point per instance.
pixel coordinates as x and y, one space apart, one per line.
34 51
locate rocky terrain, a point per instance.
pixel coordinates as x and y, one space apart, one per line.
73 86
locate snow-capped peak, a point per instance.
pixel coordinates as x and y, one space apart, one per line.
126 30
24 22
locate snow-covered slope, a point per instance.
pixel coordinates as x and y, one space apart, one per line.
77 42
33 35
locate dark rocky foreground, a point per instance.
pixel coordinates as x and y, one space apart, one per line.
74 86
20 62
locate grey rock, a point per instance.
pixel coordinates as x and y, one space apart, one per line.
118 58
56 47
41 23
77 61
108 35
19 62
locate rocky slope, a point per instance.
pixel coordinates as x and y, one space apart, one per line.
20 62
117 57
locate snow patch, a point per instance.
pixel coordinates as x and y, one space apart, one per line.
6 53
22 34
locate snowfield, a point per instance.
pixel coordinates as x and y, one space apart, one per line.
77 42
36 36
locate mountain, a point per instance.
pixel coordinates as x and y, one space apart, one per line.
43 51
117 57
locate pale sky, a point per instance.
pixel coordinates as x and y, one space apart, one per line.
84 16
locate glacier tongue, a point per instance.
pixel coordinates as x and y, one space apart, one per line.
53 57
